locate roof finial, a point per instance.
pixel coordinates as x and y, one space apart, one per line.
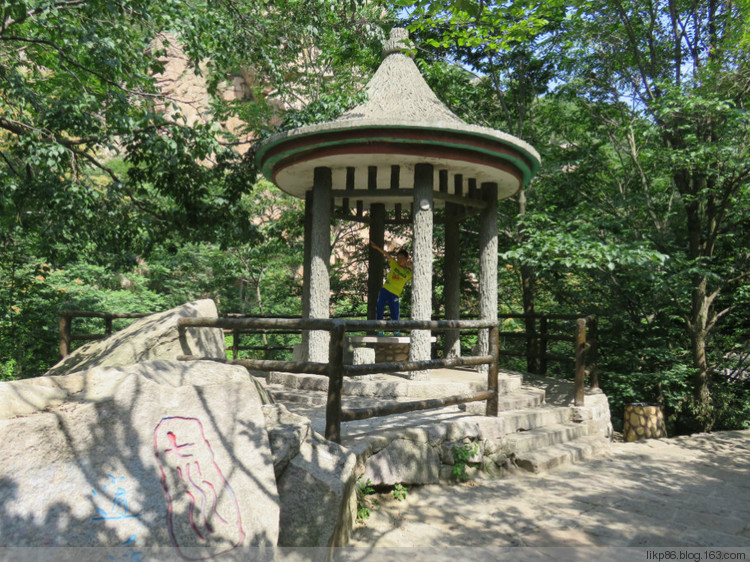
399 42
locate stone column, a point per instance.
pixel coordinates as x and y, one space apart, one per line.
421 293
487 264
375 258
320 255
452 273
300 351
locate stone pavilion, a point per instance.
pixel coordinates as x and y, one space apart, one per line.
398 157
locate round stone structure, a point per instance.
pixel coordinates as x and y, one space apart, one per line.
396 158
402 123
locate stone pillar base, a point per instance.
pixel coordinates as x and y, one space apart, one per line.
643 421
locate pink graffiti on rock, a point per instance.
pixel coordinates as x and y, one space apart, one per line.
202 509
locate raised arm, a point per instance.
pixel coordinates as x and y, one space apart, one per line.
381 250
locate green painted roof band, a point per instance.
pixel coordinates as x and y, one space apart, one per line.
267 164
281 156
284 137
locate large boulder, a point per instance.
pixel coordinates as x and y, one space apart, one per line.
150 338
162 453
316 480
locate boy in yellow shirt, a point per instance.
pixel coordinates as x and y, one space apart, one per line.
399 273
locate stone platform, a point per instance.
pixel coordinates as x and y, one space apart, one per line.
532 431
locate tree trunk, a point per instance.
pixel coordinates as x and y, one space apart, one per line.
528 279
698 329
700 247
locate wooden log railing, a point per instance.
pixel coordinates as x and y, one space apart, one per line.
586 357
335 369
67 336
539 334
66 326
584 341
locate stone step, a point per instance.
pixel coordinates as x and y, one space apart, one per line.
389 386
522 421
512 422
306 397
523 397
509 383
295 381
564 454
524 403
319 397
526 441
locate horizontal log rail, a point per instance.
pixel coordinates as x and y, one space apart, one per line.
67 337
327 324
267 365
540 315
85 314
66 324
584 341
395 366
537 334
335 369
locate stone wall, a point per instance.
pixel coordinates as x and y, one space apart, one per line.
485 446
594 413
426 455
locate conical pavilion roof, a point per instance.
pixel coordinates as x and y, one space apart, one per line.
397 94
402 123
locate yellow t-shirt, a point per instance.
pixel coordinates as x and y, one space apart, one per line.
397 278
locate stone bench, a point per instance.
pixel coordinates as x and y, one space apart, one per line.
377 349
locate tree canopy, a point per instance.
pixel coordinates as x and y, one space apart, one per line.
113 198
640 112
99 165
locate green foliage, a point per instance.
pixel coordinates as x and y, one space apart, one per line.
731 401
489 26
8 370
400 492
577 245
669 387
28 335
365 504
116 199
644 188
461 456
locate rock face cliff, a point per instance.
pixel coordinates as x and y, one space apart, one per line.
186 93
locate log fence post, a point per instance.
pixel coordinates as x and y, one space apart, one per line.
65 329
235 344
543 330
335 382
532 344
580 350
492 374
593 352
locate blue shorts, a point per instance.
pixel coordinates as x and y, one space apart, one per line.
385 297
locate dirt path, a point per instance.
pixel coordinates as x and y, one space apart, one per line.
684 492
